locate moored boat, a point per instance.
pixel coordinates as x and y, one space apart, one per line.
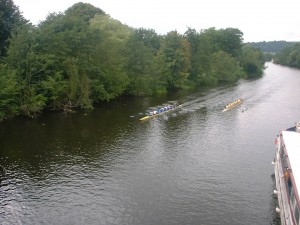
287 174
155 111
232 104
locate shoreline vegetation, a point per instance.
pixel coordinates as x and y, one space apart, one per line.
81 57
289 56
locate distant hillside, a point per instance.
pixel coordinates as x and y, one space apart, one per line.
271 46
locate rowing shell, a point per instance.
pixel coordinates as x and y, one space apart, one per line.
232 105
148 117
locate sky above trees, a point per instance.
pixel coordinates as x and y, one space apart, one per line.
258 20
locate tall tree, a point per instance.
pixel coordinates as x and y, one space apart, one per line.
141 49
225 68
252 60
9 93
175 57
72 41
230 40
10 16
289 56
109 57
193 38
29 68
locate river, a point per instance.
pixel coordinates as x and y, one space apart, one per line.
195 165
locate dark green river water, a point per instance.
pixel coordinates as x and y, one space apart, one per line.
195 165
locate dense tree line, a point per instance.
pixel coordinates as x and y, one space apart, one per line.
10 17
271 46
83 56
289 56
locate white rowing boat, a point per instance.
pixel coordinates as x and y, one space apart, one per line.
159 110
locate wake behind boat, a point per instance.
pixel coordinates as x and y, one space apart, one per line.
158 110
232 104
287 174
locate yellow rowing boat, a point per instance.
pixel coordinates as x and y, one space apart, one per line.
232 104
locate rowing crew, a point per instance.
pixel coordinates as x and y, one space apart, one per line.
160 110
232 104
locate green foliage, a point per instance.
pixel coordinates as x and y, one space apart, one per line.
141 50
252 60
82 13
149 38
175 55
289 56
82 56
54 88
202 46
29 67
9 92
31 101
193 37
214 55
10 17
230 40
268 56
225 68
78 90
109 57
271 46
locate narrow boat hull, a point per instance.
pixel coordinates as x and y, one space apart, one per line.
232 105
145 118
158 114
